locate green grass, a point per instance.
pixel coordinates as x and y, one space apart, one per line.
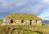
24 29
23 16
1 21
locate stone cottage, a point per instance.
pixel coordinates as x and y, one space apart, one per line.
20 19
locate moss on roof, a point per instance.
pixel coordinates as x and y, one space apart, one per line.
22 16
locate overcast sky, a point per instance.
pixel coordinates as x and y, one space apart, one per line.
37 7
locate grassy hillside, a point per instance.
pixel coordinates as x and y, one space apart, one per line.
1 21
25 29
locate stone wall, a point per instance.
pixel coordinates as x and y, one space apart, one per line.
6 21
22 22
34 22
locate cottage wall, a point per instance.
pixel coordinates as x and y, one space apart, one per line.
26 22
18 22
39 22
34 22
6 21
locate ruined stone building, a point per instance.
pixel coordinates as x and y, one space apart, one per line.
22 19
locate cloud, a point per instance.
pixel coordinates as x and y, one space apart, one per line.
20 5
28 7
45 14
10 4
45 1
37 7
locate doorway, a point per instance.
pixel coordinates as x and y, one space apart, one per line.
30 22
11 21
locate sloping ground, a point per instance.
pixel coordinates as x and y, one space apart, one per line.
22 16
24 29
1 21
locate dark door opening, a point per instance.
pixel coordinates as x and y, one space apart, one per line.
30 22
36 21
22 21
11 20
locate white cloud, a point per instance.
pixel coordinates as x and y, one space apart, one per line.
45 14
45 1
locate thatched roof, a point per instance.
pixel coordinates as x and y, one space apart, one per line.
23 16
